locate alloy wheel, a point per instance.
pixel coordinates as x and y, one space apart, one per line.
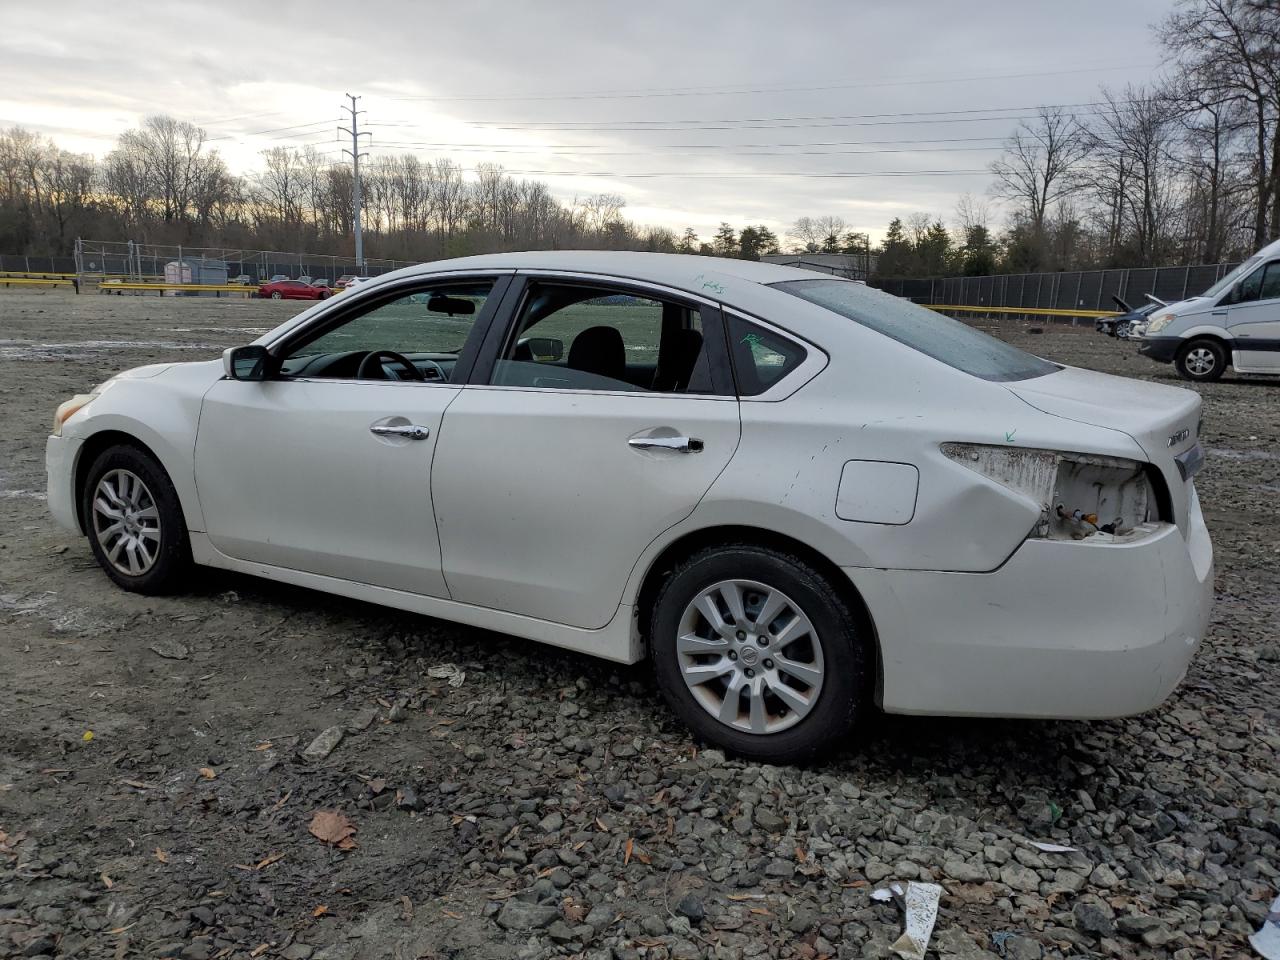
750 656
1201 361
126 522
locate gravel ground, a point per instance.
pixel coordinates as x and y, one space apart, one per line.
157 798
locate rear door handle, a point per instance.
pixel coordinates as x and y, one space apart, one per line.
678 444
410 430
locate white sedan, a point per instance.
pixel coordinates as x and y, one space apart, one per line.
799 497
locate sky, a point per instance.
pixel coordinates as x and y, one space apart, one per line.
694 112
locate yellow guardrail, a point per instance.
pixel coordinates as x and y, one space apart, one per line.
119 286
35 275
1032 311
39 281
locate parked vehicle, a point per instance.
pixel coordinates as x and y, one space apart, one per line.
797 496
321 282
343 280
307 279
277 277
1235 323
1122 326
243 280
292 290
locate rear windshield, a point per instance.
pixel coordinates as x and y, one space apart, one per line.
954 343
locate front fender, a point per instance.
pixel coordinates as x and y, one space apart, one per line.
161 413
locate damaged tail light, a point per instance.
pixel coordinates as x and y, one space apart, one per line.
1080 495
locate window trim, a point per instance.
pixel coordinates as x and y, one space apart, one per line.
815 361
334 315
501 332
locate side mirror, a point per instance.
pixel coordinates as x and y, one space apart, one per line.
545 348
245 363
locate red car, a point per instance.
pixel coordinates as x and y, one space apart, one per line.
292 290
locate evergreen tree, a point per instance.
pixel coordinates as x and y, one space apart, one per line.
725 242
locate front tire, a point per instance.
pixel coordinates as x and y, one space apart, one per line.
276 295
134 521
1202 360
758 653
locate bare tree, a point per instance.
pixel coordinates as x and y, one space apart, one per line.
1041 164
1229 50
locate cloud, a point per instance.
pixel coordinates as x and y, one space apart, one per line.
694 112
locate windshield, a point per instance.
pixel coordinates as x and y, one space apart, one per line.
954 343
1225 283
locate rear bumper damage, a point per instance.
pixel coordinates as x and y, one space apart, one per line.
1064 629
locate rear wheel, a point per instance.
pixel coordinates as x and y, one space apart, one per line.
276 295
1202 360
135 523
758 653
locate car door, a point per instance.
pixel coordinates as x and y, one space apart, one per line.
1253 321
324 465
598 416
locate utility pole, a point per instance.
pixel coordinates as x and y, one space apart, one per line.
355 155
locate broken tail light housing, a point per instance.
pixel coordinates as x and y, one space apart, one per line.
1080 495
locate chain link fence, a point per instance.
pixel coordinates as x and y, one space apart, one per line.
126 259
1076 290
37 265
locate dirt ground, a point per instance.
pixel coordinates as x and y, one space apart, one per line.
154 800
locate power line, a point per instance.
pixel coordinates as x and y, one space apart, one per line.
704 92
728 148
922 116
734 174
258 133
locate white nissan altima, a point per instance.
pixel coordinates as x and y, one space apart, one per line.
797 496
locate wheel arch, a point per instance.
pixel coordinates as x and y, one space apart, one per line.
694 541
93 447
1207 332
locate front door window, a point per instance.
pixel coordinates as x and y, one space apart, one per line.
417 337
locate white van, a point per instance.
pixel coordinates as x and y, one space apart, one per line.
1235 322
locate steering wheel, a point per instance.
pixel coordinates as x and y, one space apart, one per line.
373 361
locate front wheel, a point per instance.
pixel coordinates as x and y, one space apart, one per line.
1203 360
135 523
276 295
758 653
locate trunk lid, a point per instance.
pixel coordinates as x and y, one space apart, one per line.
1164 421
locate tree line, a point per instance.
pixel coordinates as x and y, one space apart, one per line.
1183 170
1180 171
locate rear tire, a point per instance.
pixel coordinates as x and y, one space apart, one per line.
780 690
276 295
1202 360
134 521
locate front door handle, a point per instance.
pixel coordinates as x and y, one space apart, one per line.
410 430
678 444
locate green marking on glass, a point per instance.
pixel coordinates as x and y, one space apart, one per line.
751 338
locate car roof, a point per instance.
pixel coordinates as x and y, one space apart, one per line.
681 271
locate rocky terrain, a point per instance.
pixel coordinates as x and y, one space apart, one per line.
252 770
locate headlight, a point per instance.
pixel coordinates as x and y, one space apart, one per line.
1079 494
68 408
1160 322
